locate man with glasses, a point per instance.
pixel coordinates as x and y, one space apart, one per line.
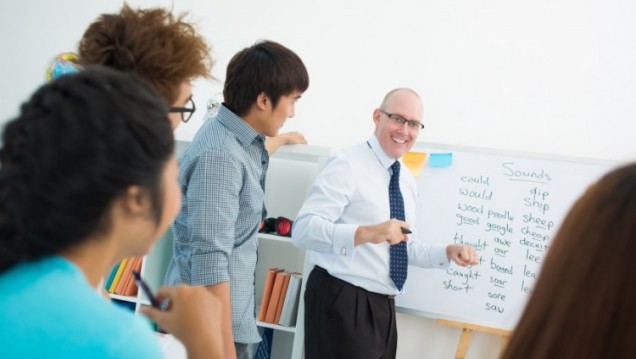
356 221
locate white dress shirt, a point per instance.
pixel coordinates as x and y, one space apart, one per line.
353 190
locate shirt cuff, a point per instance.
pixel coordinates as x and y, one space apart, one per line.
438 256
343 238
209 269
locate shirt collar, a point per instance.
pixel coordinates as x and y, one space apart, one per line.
244 132
384 159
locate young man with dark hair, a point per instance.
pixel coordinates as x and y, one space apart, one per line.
222 178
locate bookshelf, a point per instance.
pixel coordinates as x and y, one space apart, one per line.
288 342
153 269
292 169
276 251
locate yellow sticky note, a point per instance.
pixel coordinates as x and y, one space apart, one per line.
414 161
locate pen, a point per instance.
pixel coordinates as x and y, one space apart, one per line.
146 289
405 230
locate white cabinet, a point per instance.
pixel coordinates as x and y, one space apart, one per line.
292 170
276 251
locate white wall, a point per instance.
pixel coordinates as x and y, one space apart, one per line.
551 76
538 76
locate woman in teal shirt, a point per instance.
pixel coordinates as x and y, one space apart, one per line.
88 177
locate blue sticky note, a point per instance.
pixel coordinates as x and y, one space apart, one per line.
440 159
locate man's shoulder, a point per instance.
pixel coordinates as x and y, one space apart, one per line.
212 142
351 151
354 155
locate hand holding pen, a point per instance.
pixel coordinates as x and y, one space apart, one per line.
193 315
392 231
143 286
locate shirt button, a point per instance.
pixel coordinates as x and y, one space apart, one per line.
343 251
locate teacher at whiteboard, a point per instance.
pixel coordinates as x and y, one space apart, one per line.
355 222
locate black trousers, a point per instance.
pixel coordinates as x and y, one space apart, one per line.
345 321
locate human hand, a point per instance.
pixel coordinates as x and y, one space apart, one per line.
288 138
293 138
193 316
462 255
389 231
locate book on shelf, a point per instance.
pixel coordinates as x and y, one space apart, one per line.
289 312
275 297
120 269
111 276
126 275
130 289
281 299
267 291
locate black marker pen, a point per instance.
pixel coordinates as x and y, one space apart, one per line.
146 289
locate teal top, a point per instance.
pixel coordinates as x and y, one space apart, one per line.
49 310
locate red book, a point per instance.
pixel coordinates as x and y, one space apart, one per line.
126 275
131 285
267 291
274 297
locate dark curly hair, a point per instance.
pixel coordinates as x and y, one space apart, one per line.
266 66
161 48
78 143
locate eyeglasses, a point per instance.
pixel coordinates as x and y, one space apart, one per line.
401 120
186 113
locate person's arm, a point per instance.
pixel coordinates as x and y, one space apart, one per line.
222 291
389 231
317 227
213 207
194 316
288 138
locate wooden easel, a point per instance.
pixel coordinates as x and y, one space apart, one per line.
467 333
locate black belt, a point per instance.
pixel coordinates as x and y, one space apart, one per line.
325 272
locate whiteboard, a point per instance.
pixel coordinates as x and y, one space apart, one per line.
506 205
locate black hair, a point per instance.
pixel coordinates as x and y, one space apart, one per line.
77 144
267 67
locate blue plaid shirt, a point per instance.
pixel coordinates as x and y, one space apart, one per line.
222 179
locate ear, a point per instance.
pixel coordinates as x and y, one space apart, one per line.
263 101
376 116
135 201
